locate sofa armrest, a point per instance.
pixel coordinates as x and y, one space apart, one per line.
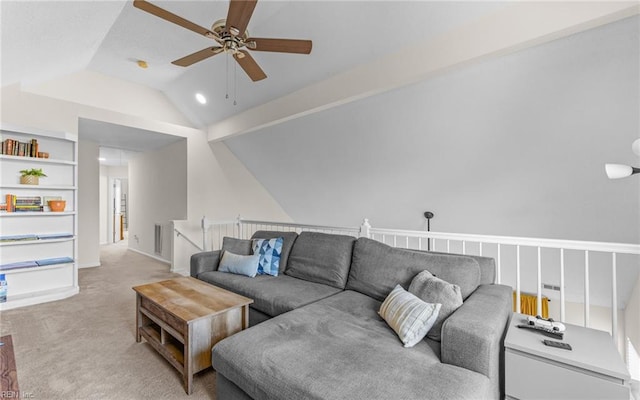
473 336
204 262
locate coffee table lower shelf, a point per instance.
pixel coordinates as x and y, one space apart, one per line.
170 347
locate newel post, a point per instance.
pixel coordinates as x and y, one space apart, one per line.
365 229
204 224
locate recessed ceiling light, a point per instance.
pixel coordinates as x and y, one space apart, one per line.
102 159
201 99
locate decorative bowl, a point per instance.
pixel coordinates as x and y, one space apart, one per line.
57 205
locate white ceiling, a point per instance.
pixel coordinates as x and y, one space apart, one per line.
119 143
41 40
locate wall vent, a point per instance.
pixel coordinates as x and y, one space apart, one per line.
157 243
551 287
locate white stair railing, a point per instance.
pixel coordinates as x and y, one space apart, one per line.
519 260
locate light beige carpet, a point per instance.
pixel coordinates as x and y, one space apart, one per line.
84 347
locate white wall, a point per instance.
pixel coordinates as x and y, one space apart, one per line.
104 204
209 190
88 204
158 195
512 146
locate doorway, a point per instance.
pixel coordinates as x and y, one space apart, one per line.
114 194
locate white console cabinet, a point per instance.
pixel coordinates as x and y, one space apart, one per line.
56 232
593 369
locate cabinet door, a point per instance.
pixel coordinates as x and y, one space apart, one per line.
530 377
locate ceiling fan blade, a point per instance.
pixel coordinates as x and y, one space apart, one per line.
239 15
168 16
250 66
280 45
197 56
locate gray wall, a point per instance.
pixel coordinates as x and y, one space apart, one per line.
88 204
157 194
511 146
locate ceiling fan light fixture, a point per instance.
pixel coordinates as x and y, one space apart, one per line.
635 146
200 98
618 171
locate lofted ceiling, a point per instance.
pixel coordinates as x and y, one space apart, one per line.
45 40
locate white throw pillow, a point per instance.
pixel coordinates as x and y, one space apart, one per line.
237 264
410 317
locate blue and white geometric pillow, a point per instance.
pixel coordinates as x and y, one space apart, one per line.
269 251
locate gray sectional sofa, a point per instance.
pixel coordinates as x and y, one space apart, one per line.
316 333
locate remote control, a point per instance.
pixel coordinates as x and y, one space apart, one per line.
560 345
545 331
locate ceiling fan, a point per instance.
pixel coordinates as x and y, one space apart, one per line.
231 35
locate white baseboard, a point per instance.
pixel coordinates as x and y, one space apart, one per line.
89 265
182 272
152 256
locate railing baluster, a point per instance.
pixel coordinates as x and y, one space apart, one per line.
384 238
480 244
562 314
407 242
448 246
395 240
614 299
539 291
498 278
518 278
420 243
586 288
464 247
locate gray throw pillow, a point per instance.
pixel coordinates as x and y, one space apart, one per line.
434 290
237 246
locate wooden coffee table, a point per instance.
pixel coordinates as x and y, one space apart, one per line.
184 318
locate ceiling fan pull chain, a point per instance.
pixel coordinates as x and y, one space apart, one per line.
235 83
226 96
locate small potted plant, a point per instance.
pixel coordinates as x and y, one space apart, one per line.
31 176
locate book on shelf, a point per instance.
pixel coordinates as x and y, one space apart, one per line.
11 202
29 200
14 147
19 264
17 238
53 261
36 263
61 235
23 203
33 236
28 208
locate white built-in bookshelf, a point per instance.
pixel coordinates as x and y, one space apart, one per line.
34 238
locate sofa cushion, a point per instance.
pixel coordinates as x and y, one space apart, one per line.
487 266
268 251
432 289
338 348
377 268
321 258
237 246
289 238
238 264
409 317
271 295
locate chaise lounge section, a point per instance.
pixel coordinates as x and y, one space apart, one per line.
320 336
